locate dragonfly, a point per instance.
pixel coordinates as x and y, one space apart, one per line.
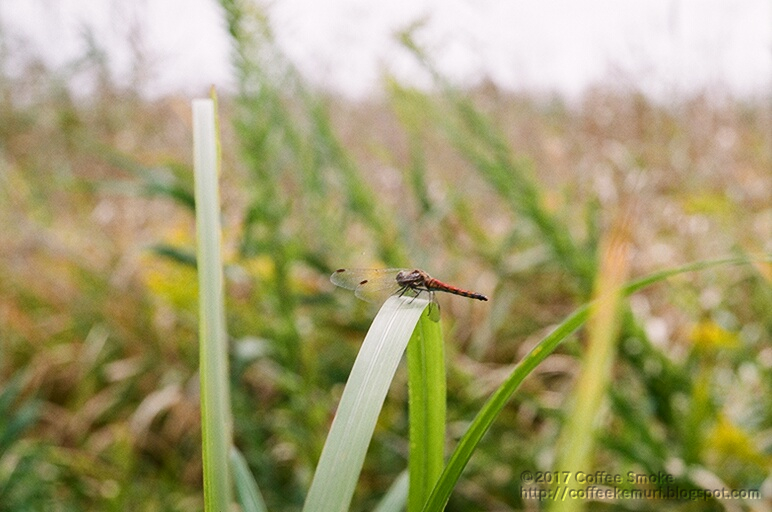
373 285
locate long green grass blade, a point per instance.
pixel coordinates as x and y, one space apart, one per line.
215 394
493 407
352 428
484 419
426 391
577 438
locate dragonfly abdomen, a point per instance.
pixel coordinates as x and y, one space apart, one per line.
433 284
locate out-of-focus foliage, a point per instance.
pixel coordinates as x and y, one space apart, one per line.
501 193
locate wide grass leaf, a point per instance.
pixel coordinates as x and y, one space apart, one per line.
352 428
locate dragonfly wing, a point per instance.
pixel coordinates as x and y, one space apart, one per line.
376 291
350 278
346 278
370 285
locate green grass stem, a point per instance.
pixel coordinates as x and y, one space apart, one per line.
577 439
427 402
216 421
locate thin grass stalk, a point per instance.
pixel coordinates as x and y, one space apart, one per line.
427 404
578 438
216 422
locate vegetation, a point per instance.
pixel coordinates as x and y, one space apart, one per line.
514 196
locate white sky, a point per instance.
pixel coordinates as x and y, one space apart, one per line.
660 46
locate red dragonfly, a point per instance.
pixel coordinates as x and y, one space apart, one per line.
375 284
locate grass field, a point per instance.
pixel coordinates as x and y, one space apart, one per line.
510 195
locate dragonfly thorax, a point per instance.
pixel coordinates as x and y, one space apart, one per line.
412 279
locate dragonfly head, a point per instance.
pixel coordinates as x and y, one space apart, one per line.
411 278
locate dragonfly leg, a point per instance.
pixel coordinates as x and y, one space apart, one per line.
416 291
412 289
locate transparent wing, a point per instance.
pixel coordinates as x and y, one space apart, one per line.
371 285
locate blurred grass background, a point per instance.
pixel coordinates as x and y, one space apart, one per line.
498 192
